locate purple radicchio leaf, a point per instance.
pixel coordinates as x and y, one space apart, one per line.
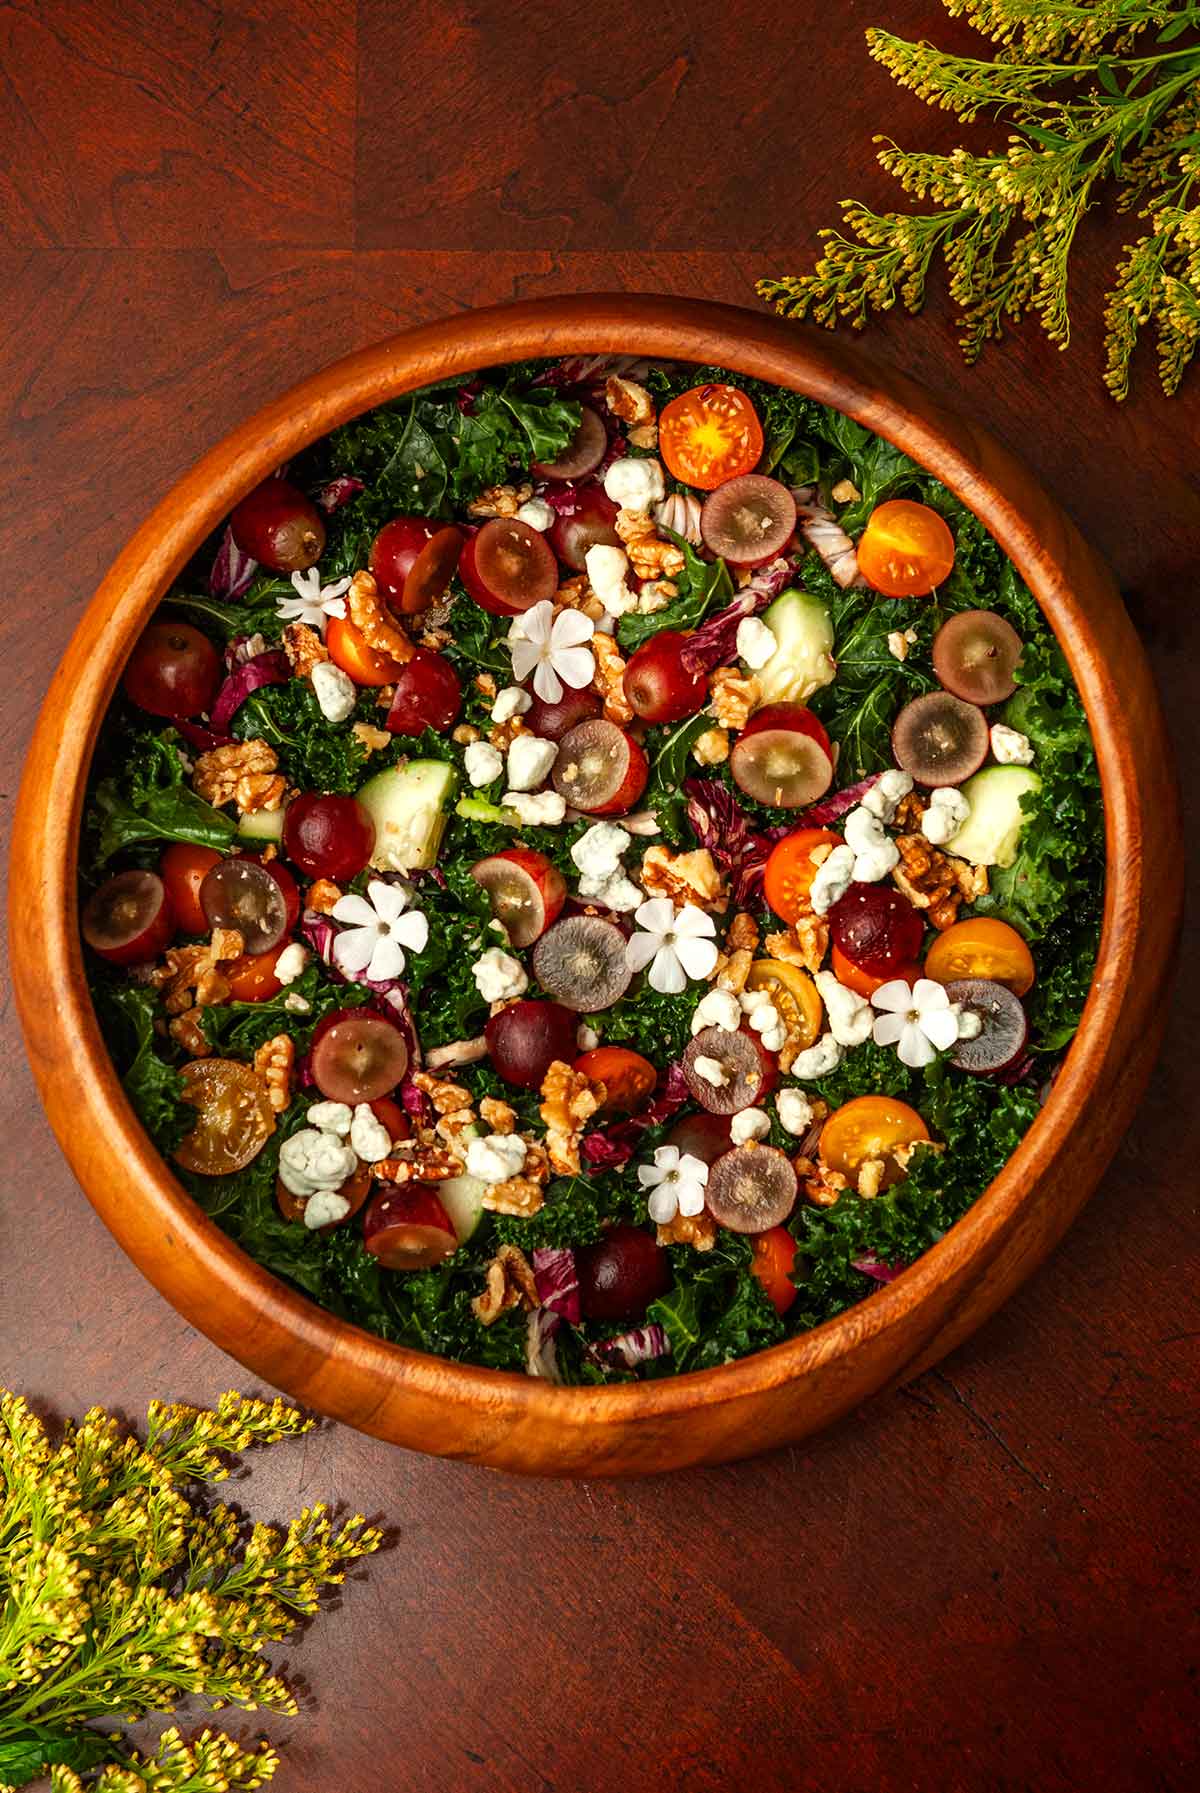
201 738
640 1345
592 370
824 533
837 805
337 492
271 668
466 395
877 1268
557 1281
232 571
610 1147
541 1344
720 823
715 641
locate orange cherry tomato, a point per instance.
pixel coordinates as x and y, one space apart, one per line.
183 869
389 1114
365 665
789 871
774 1255
855 978
709 435
870 1127
251 977
628 1078
981 946
906 549
234 1116
794 995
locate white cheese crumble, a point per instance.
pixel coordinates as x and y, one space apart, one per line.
336 693
751 1123
948 810
883 798
483 763
496 1157
606 568
291 962
331 1117
755 642
616 892
849 1014
529 762
832 879
546 810
510 702
325 1207
498 976
875 853
819 1060
537 513
369 1137
635 484
765 1019
720 1008
598 852
586 1038
312 1161
711 1070
1010 746
794 1109
296 1004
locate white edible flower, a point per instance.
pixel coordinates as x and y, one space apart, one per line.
312 1161
676 945
676 1182
948 810
832 879
529 761
616 892
711 1070
325 1208
919 1021
498 976
537 513
482 763
510 702
545 810
377 930
794 1109
336 692
607 568
751 1123
875 853
848 1013
291 962
496 1157
818 1061
598 852
883 798
313 603
368 1135
635 484
1010 746
552 649
755 642
720 1008
331 1117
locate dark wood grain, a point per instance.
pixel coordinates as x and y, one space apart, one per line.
987 1582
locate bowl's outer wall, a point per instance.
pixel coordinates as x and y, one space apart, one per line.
778 1395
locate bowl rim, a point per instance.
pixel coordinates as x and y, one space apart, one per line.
258 1306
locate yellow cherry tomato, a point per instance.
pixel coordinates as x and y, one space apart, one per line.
795 996
906 550
981 946
870 1127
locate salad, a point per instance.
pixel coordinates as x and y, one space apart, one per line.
592 869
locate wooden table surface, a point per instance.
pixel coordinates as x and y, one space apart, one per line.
986 1581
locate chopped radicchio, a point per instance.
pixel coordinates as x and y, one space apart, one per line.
557 1281
720 823
541 1344
201 738
822 531
593 370
877 1268
715 641
232 571
271 668
339 491
838 804
641 1345
610 1147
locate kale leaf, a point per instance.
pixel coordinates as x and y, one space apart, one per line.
127 1013
145 798
703 585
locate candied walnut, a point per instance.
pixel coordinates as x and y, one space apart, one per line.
909 810
418 1161
972 880
242 773
185 1030
734 696
485 684
370 617
628 400
464 734
643 435
435 639
732 970
500 501
304 649
610 679
818 1184
870 1176
373 739
510 1282
651 555
684 877
456 1128
845 492
322 895
519 1196
273 1061
384 696
569 1100
577 594
712 747
933 881
501 735
656 594
190 976
805 943
696 1230
500 1117
743 933
445 1096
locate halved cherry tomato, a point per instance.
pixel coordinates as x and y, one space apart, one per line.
981 946
251 977
183 869
771 1265
349 650
628 1078
234 1116
870 1127
794 995
789 871
906 549
865 982
708 435
389 1114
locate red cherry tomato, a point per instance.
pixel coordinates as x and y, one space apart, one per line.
774 1255
173 670
183 869
251 978
390 1114
789 871
709 435
906 550
365 665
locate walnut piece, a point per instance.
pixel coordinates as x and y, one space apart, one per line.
870 1176
628 400
805 943
518 1196
643 435
569 1100
186 1031
499 1116
934 881
273 1061
651 555
322 895
610 679
370 617
485 684
732 970
189 976
577 594
510 1282
373 739
418 1161
743 933
684 877
696 1230
464 734
304 649
818 1184
734 696
445 1096
711 748
500 501
242 773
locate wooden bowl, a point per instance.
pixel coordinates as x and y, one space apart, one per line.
781 1394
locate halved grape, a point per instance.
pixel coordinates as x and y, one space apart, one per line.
581 962
745 1073
1004 1031
583 453
507 567
524 1039
526 891
242 894
550 722
413 559
129 919
277 525
407 1227
357 1055
940 739
751 1188
355 1190
658 687
783 757
704 1136
747 520
428 695
877 928
587 521
600 769
975 655
621 1275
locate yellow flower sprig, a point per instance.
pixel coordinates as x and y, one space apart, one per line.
123 1591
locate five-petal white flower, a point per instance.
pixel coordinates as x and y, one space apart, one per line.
552 649
313 603
676 945
377 930
919 1020
676 1183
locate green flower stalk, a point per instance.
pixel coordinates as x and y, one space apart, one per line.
1087 113
122 1594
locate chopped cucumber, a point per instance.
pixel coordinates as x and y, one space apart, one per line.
261 824
462 1198
408 807
803 660
989 834
478 809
